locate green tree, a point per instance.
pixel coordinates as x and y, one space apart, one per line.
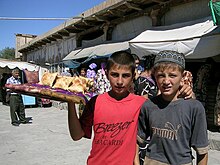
7 53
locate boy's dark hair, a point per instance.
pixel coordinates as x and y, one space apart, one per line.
149 61
121 58
135 57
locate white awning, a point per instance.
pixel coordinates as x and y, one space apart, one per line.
196 39
97 51
11 64
6 65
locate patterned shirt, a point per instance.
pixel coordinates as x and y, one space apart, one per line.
217 106
90 73
13 80
146 86
200 86
102 84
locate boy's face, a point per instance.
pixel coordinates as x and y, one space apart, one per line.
120 78
168 81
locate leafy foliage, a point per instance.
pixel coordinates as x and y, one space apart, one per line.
8 53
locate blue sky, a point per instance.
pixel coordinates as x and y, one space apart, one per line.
37 9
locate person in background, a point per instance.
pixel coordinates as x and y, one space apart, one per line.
102 83
174 124
138 68
66 72
17 109
112 115
74 72
202 79
91 72
217 99
83 72
145 85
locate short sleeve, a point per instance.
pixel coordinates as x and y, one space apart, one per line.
199 138
86 120
143 131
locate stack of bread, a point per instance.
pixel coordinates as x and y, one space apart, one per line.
72 84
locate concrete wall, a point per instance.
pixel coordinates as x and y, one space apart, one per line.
123 31
187 12
130 29
53 53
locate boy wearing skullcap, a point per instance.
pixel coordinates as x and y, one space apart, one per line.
174 124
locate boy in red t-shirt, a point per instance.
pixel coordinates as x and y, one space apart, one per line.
113 115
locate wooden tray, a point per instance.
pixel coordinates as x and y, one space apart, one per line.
42 91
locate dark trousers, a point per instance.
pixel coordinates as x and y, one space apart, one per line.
17 109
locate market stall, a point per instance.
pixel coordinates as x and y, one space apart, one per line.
29 72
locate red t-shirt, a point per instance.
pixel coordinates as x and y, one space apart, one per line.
115 129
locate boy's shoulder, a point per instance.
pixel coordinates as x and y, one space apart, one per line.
191 105
130 97
102 98
192 101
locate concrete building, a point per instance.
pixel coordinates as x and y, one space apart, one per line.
111 21
22 39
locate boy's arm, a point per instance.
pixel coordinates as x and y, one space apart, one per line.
136 159
202 159
76 131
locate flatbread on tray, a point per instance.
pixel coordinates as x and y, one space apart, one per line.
62 82
55 87
48 79
73 84
42 91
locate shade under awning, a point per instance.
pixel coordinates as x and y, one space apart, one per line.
97 51
196 39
